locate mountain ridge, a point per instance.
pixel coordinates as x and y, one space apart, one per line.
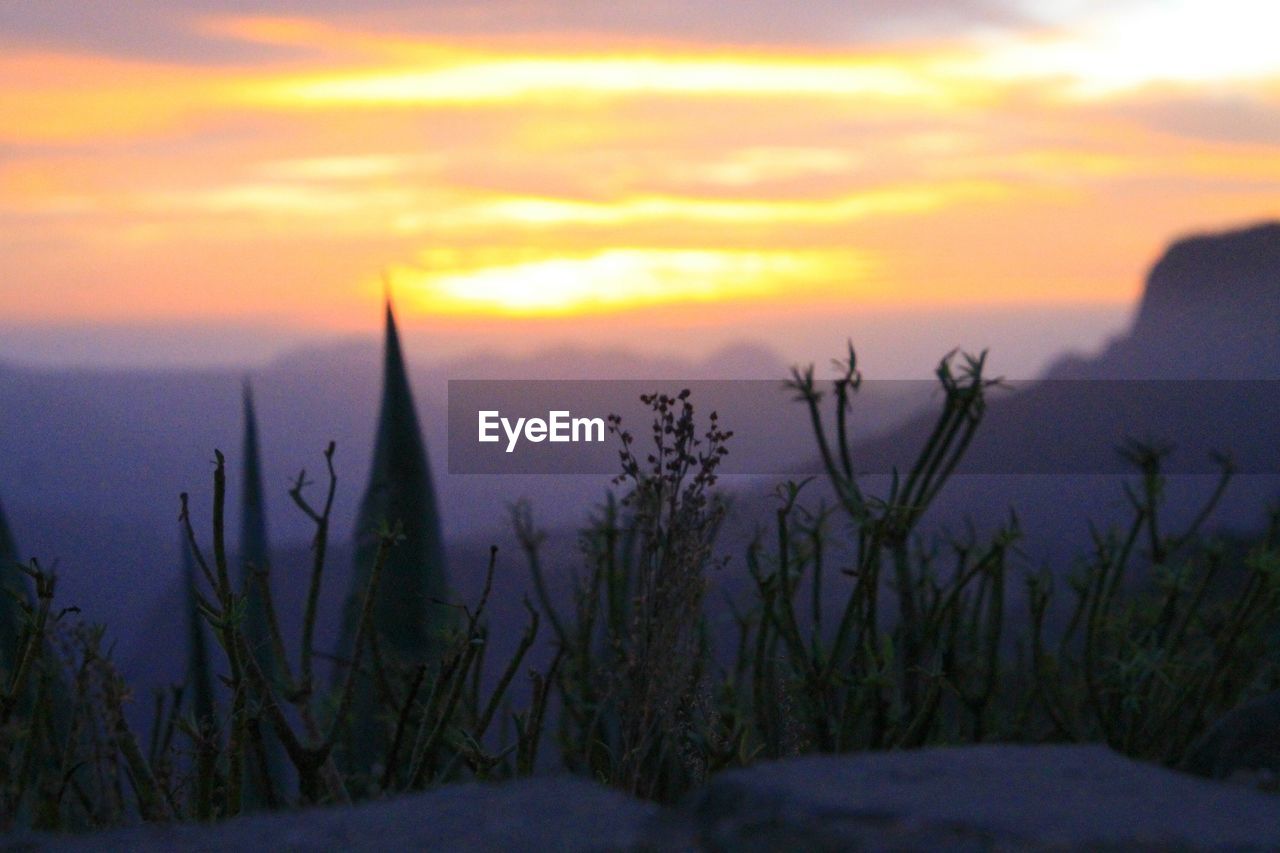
1208 310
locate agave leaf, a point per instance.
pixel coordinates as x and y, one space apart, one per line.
255 551
13 587
255 555
408 624
199 673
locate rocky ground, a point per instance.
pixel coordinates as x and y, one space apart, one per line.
955 799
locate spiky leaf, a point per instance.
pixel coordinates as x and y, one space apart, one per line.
407 622
255 552
255 555
199 673
13 585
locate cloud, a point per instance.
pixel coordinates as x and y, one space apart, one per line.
273 160
166 31
741 22
1237 118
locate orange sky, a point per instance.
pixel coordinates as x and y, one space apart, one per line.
507 179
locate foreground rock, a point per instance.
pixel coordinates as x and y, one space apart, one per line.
534 815
1003 798
1243 743
974 798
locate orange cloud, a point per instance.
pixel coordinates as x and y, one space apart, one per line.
562 175
62 98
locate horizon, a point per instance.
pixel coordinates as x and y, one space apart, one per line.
1024 343
195 188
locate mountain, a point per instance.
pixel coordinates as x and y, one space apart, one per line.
1210 310
1198 371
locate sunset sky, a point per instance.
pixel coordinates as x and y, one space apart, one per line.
184 180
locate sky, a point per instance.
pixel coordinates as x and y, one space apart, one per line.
217 181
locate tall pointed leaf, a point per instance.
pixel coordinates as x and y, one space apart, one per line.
408 626
12 583
199 674
255 555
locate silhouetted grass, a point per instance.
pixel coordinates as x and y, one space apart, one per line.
926 647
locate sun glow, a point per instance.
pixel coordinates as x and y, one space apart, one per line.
478 79
619 279
896 200
564 172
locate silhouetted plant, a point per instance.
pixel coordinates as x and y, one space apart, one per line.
34 700
1152 653
266 760
921 650
202 724
877 680
632 684
437 730
1164 633
13 592
409 623
39 720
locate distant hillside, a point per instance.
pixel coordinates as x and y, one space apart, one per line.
1210 312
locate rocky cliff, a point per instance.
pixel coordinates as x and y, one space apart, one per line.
1210 309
